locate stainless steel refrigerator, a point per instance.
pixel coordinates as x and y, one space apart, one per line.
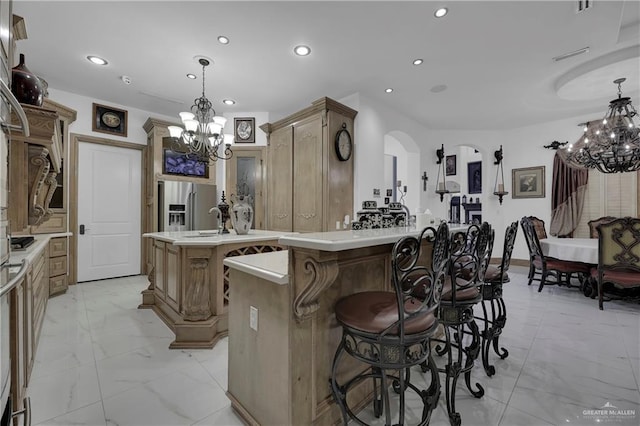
184 206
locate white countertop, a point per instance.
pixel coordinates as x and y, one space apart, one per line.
212 238
347 240
271 266
39 243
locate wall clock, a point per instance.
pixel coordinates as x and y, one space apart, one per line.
343 144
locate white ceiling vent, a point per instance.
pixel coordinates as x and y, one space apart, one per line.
584 5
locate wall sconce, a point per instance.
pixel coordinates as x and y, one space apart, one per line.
498 188
441 186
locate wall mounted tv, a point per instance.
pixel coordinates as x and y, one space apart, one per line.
181 164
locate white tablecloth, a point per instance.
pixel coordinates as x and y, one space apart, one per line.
575 249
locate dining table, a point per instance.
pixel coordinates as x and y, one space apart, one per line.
574 249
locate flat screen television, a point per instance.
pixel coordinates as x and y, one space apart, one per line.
181 164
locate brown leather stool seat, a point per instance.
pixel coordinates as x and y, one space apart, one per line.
494 274
376 311
464 291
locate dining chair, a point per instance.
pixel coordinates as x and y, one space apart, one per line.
390 331
593 224
538 226
494 278
618 255
460 294
547 266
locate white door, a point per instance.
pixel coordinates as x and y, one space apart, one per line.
109 216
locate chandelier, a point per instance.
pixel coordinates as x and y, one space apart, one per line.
202 135
611 145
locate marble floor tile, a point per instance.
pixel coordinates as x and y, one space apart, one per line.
179 398
56 394
91 415
122 372
101 361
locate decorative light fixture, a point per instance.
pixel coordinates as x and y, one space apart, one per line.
498 187
611 145
441 186
202 136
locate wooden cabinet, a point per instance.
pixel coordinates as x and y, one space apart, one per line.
36 162
58 271
28 304
308 188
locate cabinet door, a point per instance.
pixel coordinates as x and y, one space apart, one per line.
159 281
172 277
18 342
307 172
280 181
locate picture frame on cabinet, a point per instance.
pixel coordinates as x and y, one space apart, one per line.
528 182
474 177
109 120
244 130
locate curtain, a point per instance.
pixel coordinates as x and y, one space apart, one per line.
569 187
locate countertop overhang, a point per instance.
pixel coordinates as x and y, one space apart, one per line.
212 238
271 266
348 240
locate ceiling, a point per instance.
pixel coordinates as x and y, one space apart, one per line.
495 58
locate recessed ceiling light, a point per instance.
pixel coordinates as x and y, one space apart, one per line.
192 76
229 102
97 60
439 13
417 61
388 90
302 50
223 40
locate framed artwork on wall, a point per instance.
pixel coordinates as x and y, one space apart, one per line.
109 120
450 165
528 182
474 177
244 130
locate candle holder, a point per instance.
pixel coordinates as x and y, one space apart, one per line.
498 188
441 187
224 214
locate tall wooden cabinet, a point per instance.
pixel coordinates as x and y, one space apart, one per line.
308 188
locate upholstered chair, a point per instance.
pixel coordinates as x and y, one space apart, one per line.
593 225
546 266
618 255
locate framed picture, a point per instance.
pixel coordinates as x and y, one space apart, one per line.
474 177
450 165
109 120
244 130
528 182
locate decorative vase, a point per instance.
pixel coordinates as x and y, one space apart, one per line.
242 214
25 85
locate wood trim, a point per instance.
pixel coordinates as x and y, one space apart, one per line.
319 105
72 169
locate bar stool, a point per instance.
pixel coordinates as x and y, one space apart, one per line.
390 331
492 282
459 296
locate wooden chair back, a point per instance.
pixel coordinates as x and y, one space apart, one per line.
593 224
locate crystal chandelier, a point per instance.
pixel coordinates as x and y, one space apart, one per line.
611 145
202 135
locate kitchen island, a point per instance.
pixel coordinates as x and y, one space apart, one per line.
282 329
189 285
